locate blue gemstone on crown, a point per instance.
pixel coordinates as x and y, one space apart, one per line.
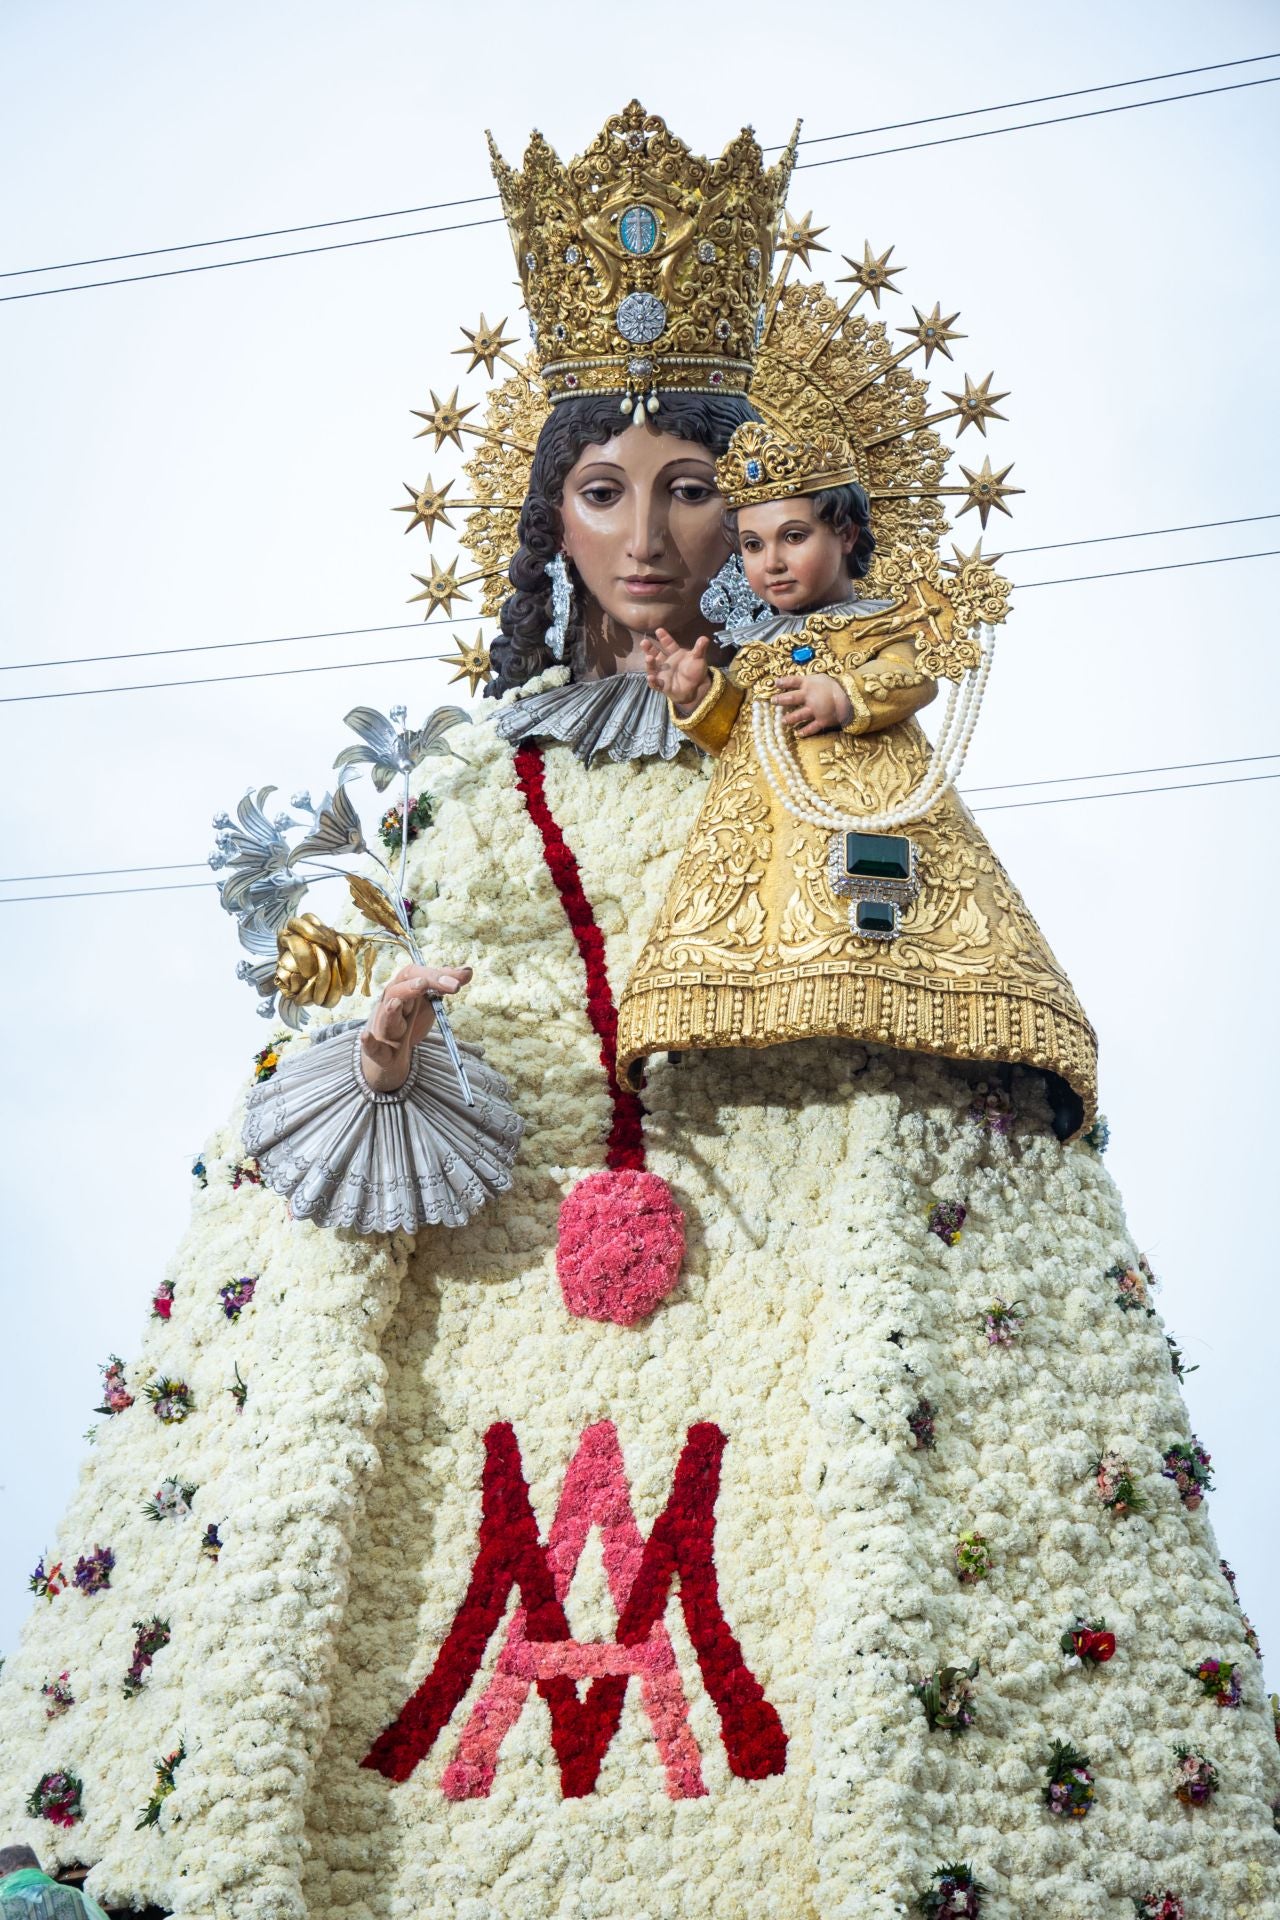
754 470
638 229
802 655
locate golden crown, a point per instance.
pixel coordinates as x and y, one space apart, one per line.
643 266
760 464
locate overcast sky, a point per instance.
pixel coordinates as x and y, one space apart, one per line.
212 458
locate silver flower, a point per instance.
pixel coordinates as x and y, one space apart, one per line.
336 829
253 851
389 751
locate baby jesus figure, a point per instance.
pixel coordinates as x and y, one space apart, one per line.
820 663
834 884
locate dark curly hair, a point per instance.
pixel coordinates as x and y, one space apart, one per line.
707 419
838 508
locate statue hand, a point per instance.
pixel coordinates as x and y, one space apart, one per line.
403 1017
679 672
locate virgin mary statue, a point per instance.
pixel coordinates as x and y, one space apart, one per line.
740 1473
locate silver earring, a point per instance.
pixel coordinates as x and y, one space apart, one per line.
728 601
561 606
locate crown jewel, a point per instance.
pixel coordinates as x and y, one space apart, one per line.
761 464
644 266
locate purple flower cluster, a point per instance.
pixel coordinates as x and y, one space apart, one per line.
93 1570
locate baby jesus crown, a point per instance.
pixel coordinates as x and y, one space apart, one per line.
644 267
759 464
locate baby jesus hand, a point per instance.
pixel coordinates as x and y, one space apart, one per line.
812 703
679 672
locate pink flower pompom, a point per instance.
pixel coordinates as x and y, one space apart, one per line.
620 1245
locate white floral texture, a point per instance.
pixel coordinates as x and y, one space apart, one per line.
815 1310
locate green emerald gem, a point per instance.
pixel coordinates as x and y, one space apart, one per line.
876 916
877 856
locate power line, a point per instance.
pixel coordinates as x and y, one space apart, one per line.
475 619
1006 786
1035 100
419 233
1128 573
1022 126
1144 533
479 199
250 260
1068 799
413 659
1124 793
1012 786
224 646
96 873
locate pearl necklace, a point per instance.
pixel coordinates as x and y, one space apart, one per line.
776 753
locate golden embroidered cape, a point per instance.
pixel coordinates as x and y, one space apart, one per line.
752 947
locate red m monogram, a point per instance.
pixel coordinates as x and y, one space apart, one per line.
539 1650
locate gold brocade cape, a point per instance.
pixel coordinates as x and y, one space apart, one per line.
752 947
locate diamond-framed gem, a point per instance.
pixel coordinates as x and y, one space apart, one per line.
641 318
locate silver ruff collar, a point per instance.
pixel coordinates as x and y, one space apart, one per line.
622 717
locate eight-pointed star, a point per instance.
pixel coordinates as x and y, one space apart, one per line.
444 419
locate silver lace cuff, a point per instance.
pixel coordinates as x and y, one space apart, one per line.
622 717
345 1156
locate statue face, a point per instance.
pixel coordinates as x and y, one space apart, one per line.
642 526
792 560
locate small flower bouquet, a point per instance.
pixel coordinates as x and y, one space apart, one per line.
152 1636
1250 1637
47 1582
947 1698
162 1300
1088 1643
170 1501
947 1219
1219 1681
267 1059
211 1544
171 1400
1159 1906
992 1109
1188 1468
57 1693
920 1422
93 1570
116 1397
1196 1779
1133 1286
57 1798
236 1295
1099 1135
1002 1322
1176 1361
389 827
166 1781
246 1173
1069 1791
973 1558
1115 1485
199 1171
955 1895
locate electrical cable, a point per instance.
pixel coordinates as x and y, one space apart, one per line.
1144 533
476 619
401 660
1003 806
1008 786
1129 573
836 160
478 199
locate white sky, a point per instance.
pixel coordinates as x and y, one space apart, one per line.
213 458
